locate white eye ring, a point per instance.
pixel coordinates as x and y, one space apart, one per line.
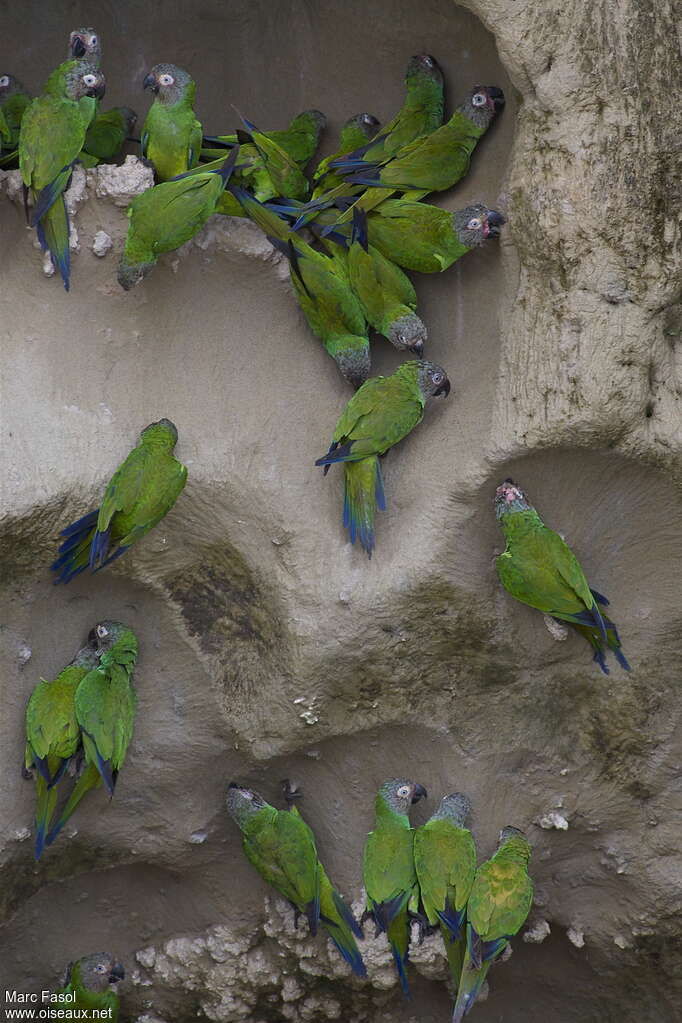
100 968
166 79
437 378
93 40
4 81
478 100
102 631
404 791
474 224
89 80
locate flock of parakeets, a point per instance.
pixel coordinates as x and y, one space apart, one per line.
427 875
347 277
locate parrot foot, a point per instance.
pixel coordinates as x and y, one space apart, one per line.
423 928
292 792
26 773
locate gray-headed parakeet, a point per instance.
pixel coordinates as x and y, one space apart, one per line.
387 296
52 133
281 847
418 236
171 134
499 902
105 704
168 215
53 735
388 869
445 861
538 568
142 490
354 133
382 412
323 292
90 982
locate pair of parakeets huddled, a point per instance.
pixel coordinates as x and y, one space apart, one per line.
88 989
537 566
428 874
81 723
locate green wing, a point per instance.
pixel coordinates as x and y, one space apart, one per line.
379 415
445 860
141 492
500 899
105 709
539 569
52 135
389 863
281 847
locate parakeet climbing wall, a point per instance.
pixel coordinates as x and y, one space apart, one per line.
269 647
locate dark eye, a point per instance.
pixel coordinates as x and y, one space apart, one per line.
404 791
100 968
166 79
437 378
89 80
4 81
478 99
102 631
474 224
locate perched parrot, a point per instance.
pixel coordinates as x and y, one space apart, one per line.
387 296
105 711
499 902
84 44
418 236
168 215
52 134
388 869
299 141
379 415
13 102
355 132
92 980
445 861
324 295
281 847
539 568
142 490
53 735
269 170
171 134
107 134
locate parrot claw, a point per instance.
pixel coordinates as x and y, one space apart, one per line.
292 792
26 773
423 927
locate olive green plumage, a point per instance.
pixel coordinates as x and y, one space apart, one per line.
418 236
14 99
445 861
387 296
141 492
90 983
324 295
167 216
53 736
107 134
281 847
267 169
382 412
52 133
420 114
389 872
171 134
538 568
499 903
357 130
299 140
105 704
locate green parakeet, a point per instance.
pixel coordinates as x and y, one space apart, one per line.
53 735
272 172
84 44
354 133
13 102
143 489
539 568
171 134
418 236
387 296
281 847
324 295
168 215
52 133
379 415
299 141
90 984
388 869
107 133
445 861
499 902
105 711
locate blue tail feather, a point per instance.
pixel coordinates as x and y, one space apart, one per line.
379 494
347 915
600 598
60 257
337 453
84 524
402 973
49 194
112 557
452 920
99 547
359 233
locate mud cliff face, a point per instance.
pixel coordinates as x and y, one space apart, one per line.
269 646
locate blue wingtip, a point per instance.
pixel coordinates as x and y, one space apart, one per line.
40 842
402 973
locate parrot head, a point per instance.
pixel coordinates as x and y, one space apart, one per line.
510 498
96 972
455 807
105 634
131 274
432 379
482 104
424 64
162 430
168 82
84 42
476 223
515 843
408 333
310 118
85 79
399 794
354 361
9 85
241 803
368 123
